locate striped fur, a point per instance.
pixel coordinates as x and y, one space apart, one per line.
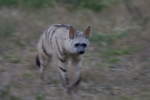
66 43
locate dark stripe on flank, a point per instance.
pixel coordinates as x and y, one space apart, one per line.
62 69
46 32
58 46
44 49
52 35
55 27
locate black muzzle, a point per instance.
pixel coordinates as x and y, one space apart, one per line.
80 49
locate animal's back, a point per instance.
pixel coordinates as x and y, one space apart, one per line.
53 39
61 34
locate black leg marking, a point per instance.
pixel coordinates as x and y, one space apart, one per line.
63 69
62 60
67 80
37 61
77 82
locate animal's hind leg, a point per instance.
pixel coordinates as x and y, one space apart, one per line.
42 69
44 62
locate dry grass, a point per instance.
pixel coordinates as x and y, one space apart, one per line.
106 75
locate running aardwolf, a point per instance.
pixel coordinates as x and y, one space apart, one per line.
66 43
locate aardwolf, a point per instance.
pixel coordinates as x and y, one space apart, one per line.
66 43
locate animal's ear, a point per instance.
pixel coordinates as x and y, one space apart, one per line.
72 32
87 32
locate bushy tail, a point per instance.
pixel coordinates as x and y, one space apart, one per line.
37 61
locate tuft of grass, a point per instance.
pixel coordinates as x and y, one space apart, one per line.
124 98
111 54
8 2
27 3
8 27
127 50
14 97
40 96
113 59
36 3
5 93
27 74
95 5
12 58
108 40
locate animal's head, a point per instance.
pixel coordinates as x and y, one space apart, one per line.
79 41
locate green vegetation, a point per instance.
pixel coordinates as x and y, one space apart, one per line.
40 96
26 3
7 28
27 74
107 41
12 58
6 95
95 5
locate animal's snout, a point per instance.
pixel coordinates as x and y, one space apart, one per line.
81 52
80 49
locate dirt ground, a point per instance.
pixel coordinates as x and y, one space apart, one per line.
114 68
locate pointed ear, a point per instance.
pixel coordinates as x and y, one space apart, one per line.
87 32
72 32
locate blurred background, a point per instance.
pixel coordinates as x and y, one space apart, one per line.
116 66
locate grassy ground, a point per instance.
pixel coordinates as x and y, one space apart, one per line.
116 65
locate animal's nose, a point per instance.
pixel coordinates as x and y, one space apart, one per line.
81 52
80 49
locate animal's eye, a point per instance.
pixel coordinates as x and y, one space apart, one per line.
84 44
76 45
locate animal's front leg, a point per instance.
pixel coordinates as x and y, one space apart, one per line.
77 64
63 75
